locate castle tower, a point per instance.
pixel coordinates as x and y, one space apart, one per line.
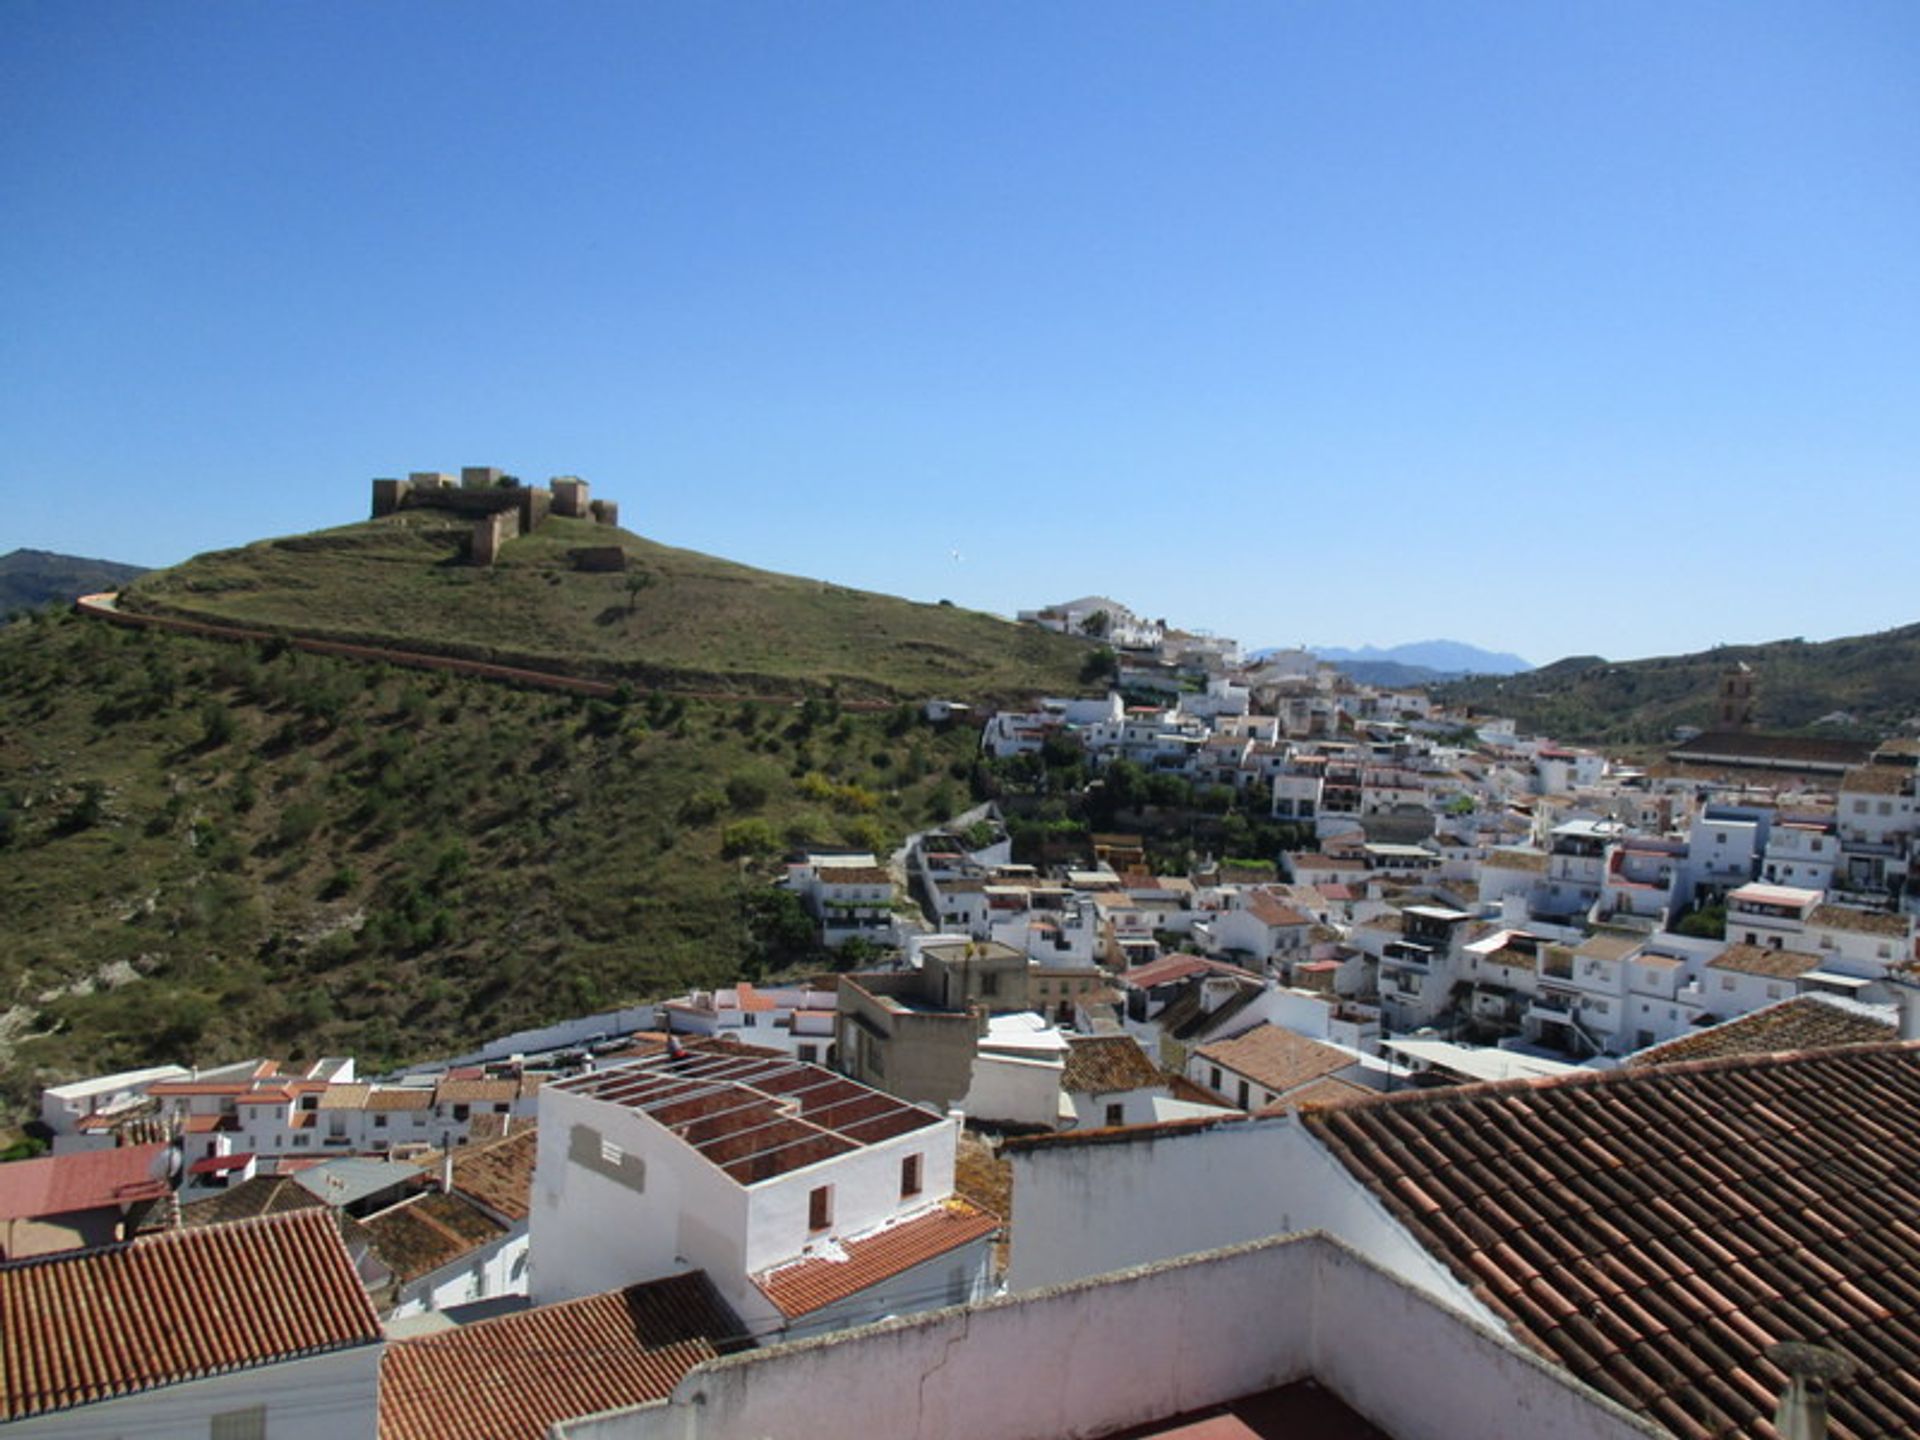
569 496
1734 710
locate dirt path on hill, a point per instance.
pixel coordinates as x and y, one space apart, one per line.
105 606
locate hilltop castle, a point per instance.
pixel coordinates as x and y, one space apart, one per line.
500 507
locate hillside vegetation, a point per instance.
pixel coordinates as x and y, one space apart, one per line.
210 850
675 618
1874 679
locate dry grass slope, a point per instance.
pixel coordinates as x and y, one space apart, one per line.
676 619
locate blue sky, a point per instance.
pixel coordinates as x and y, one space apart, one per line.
1556 328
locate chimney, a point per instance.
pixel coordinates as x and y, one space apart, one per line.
446 1164
1906 999
1811 1372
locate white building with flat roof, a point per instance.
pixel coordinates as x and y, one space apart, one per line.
811 1201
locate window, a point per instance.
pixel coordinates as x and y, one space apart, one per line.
820 1208
248 1424
1726 982
990 983
749 1019
909 1176
809 1053
1245 1095
379 1122
1116 1115
1214 1082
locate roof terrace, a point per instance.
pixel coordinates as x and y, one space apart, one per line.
754 1118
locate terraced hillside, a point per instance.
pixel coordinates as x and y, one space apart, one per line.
674 618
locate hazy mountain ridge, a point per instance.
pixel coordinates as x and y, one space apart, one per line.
1872 680
32 578
1441 658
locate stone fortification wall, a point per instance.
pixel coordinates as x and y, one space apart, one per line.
501 507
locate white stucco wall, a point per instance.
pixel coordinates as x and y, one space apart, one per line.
1081 1210
866 1192
1012 1090
1135 1348
494 1271
592 1233
326 1397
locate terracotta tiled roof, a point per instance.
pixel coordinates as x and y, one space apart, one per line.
97 1324
1780 749
813 1284
85 1180
1104 1064
400 1097
1169 968
418 1237
345 1097
1275 1059
1655 1230
498 1175
262 1195
1330 1090
1877 780
470 1092
512 1378
1271 910
1863 922
1764 960
1805 1022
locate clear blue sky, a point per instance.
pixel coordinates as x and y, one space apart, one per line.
1553 327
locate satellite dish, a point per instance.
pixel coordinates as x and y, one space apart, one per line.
169 1164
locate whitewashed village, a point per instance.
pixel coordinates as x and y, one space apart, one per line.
1520 1091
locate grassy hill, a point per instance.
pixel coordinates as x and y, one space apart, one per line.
31 578
676 618
1875 679
211 850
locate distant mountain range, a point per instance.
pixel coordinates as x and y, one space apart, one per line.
1443 659
1858 685
32 578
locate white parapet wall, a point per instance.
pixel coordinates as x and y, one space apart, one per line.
1138 1347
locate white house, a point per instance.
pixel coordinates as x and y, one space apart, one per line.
812 1202
260 1328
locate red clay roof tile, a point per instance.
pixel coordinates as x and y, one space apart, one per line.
812 1284
224 1297
1692 1214
512 1378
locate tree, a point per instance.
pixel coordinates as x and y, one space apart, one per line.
1101 665
636 581
1097 624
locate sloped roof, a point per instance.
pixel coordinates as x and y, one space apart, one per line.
97 1324
85 1180
1655 1230
1862 922
1764 960
1276 1059
250 1199
499 1175
1804 1022
1106 1064
815 1283
420 1236
513 1377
